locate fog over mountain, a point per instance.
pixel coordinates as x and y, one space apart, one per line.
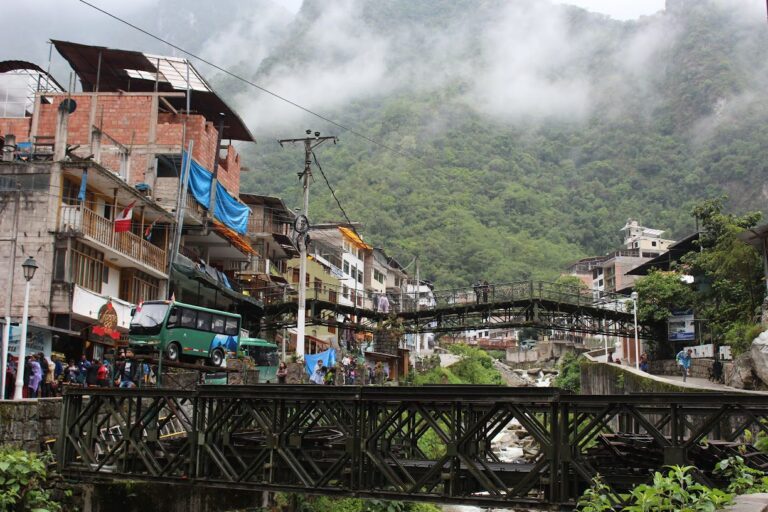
526 131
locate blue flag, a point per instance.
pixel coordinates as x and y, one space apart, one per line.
83 181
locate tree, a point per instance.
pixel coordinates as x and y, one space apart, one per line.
660 294
728 272
574 282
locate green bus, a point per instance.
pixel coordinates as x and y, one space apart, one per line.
264 355
178 329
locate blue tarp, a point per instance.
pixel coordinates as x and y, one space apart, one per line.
328 358
229 210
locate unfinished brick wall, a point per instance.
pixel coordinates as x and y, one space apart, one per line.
229 171
18 126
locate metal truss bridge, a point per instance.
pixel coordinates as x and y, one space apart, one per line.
432 443
522 304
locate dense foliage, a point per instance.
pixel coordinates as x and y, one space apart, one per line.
479 196
24 484
474 367
569 374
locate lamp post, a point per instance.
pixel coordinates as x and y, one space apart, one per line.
637 342
29 266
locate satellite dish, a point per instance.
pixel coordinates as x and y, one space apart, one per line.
68 105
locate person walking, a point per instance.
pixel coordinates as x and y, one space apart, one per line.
644 362
128 371
684 361
82 369
282 373
35 377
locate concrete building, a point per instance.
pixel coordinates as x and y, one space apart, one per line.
79 161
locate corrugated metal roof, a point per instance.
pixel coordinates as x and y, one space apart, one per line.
133 71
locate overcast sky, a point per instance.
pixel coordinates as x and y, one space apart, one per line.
619 9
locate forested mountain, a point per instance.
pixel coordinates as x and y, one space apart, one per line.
520 135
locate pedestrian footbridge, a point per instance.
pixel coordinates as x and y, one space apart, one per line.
509 305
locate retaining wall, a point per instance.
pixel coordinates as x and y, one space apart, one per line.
29 424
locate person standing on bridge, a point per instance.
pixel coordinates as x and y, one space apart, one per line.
684 361
485 288
384 304
476 287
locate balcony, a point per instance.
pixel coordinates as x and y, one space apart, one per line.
100 230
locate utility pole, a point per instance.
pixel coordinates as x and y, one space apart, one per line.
302 228
9 299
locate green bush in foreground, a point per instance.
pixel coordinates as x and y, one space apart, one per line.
673 491
23 480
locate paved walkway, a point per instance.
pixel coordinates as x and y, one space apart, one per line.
700 383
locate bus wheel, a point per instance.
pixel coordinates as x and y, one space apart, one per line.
217 357
172 351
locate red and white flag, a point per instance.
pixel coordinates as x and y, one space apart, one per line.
123 221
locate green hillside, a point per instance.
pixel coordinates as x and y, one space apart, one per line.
504 190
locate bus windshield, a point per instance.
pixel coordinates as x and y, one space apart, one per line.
149 318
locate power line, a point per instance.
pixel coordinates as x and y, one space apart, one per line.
333 193
253 84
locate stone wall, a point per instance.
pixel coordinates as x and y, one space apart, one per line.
29 424
613 379
700 368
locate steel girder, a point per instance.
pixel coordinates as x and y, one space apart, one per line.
432 443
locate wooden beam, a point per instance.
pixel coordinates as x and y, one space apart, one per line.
168 105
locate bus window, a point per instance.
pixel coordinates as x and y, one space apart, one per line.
232 327
218 324
173 318
203 321
188 318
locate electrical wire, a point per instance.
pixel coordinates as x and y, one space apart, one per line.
253 84
333 193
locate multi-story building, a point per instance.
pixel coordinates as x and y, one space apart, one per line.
342 247
100 173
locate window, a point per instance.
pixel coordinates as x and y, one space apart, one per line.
188 317
378 276
346 267
360 276
137 286
173 317
332 296
203 321
218 324
296 276
105 275
653 244
232 327
59 264
345 291
87 267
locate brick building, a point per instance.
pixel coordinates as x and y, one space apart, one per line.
73 161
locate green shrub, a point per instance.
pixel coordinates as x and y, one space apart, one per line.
24 482
569 376
740 335
743 479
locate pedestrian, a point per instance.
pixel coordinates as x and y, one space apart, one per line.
476 288
282 373
375 299
58 368
70 373
644 362
82 369
35 377
684 361
102 375
40 357
369 370
128 371
10 377
717 371
329 379
50 376
92 374
486 288
384 304
378 373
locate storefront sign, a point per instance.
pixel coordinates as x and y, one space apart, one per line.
682 326
38 340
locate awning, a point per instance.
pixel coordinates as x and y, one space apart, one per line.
238 241
353 237
205 279
286 244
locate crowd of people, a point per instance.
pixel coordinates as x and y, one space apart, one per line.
45 377
348 373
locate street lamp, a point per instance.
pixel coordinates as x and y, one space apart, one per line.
637 342
29 266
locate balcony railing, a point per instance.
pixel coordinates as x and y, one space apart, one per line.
101 230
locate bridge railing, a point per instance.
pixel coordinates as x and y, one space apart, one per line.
492 293
484 445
